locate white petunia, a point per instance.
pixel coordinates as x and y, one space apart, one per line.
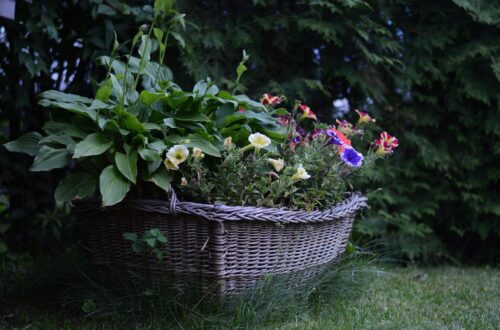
301 174
177 154
278 164
170 166
258 140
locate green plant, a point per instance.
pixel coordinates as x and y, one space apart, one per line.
116 140
149 242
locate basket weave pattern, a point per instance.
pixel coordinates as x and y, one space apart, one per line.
230 247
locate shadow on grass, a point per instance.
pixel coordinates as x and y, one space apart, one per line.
65 290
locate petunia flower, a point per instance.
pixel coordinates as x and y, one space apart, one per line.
258 140
386 144
170 166
197 153
178 154
268 99
301 174
278 164
307 112
344 141
228 142
334 138
351 157
364 117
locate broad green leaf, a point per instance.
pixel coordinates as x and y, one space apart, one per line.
58 138
113 186
222 113
65 97
49 158
103 93
205 145
170 122
151 241
127 164
74 186
249 103
77 108
152 127
162 178
204 88
112 125
53 127
149 98
192 117
92 145
27 143
148 154
131 123
158 145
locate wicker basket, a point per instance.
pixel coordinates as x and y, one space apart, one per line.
223 246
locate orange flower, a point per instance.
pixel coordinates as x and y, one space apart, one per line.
342 137
307 112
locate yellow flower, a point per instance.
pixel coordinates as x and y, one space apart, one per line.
258 140
197 153
170 166
178 154
278 164
227 142
184 182
301 174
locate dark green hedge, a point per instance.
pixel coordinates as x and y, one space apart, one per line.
428 70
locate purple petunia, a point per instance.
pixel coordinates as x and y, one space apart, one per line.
351 157
334 138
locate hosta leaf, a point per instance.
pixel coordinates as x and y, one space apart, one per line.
113 186
196 116
127 164
202 143
27 143
52 127
75 185
162 178
58 138
49 158
149 98
92 145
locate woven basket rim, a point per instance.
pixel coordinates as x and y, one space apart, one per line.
353 203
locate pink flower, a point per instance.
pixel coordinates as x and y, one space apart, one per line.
307 112
268 99
386 144
364 117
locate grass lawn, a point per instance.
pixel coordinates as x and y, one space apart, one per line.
416 298
356 295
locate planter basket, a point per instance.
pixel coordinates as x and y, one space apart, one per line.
228 247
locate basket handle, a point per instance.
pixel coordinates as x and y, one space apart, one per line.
172 198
